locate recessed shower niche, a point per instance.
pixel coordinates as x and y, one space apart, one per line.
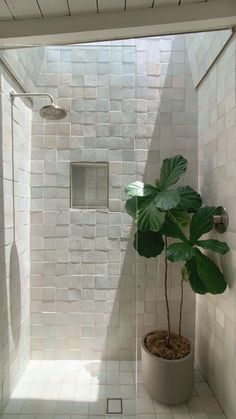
89 185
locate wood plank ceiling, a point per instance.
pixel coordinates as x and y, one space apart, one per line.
28 9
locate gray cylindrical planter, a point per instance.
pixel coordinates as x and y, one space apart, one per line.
167 381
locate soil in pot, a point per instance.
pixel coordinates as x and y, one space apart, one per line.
156 343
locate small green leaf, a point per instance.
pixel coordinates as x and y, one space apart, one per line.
190 273
166 200
214 245
171 170
149 218
211 276
148 244
181 216
190 200
140 189
202 222
180 251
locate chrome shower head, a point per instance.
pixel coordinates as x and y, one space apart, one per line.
52 112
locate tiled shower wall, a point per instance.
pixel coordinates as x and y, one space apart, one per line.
203 49
130 104
24 64
15 238
216 315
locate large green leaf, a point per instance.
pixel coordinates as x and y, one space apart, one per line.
211 276
166 200
202 222
140 189
189 272
182 217
149 218
171 170
190 201
180 251
148 244
172 229
214 245
131 207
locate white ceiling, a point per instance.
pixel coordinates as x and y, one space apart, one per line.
28 9
61 22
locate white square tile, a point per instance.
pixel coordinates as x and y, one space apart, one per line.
63 407
211 405
14 406
97 408
145 406
81 407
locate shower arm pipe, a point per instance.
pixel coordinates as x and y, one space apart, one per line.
14 95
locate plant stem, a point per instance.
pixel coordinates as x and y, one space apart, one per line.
181 307
166 295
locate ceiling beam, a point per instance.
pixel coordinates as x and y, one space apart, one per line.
214 14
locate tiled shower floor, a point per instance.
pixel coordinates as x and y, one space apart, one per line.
79 389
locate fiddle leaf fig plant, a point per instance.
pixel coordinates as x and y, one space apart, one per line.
202 273
162 211
151 205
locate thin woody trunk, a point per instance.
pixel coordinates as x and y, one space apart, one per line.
166 295
181 307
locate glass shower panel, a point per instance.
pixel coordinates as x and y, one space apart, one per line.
122 167
83 265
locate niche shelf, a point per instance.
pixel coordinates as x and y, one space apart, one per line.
89 185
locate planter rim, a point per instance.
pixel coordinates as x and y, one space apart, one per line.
170 361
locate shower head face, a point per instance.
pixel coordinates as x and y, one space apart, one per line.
52 112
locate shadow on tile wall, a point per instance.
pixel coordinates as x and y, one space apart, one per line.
166 124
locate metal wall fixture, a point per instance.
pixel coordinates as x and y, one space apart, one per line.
221 220
50 112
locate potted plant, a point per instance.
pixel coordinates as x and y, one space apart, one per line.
163 212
